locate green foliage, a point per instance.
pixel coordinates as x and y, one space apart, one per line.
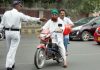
48 1
88 7
28 3
52 1
1 1
85 6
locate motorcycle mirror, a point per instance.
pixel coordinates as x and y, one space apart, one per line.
59 25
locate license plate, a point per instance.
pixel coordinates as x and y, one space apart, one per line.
98 38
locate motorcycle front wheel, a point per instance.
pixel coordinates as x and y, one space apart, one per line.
39 59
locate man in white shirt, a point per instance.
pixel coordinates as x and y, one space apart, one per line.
66 21
12 22
53 24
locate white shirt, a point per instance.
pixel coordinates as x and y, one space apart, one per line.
13 19
67 20
52 26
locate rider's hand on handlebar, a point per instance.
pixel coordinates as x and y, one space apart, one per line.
59 30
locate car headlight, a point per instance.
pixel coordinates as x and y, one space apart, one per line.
77 32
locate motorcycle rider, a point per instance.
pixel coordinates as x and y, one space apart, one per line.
53 25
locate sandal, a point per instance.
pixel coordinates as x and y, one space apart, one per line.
65 66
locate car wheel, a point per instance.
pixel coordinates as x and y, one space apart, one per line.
85 36
70 39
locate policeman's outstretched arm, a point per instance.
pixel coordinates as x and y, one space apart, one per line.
29 18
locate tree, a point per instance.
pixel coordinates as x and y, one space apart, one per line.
28 3
82 6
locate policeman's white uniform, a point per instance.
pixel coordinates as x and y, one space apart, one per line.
52 26
12 20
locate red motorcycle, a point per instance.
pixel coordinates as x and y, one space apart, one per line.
46 50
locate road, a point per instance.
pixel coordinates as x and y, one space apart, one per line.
82 55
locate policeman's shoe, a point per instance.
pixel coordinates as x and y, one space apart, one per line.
13 66
9 69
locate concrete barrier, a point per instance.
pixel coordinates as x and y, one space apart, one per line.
32 28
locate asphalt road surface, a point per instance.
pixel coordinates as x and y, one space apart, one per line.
82 55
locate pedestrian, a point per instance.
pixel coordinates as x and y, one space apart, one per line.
11 20
53 25
67 21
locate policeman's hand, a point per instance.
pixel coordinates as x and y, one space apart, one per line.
43 19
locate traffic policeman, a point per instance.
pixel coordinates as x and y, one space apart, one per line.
12 22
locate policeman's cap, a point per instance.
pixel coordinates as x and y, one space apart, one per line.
16 2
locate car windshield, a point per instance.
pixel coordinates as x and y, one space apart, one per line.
83 21
95 20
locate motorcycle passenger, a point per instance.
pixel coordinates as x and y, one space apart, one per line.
53 25
67 22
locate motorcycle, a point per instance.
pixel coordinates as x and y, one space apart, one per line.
46 50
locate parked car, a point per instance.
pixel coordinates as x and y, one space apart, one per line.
97 35
85 29
83 21
2 31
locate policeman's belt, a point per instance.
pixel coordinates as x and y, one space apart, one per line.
12 29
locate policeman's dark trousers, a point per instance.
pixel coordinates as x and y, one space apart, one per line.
12 40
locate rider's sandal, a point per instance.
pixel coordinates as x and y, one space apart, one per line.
65 66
